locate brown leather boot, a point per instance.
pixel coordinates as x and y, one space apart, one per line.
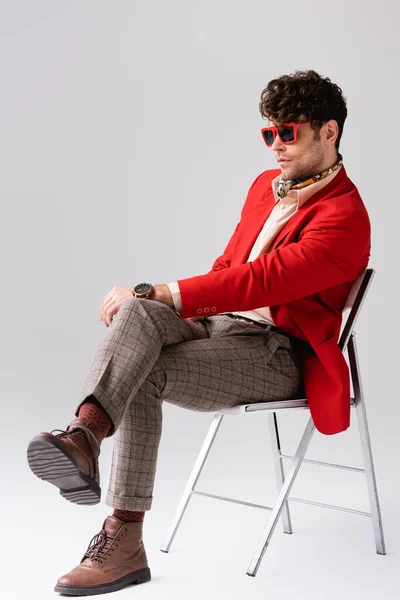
114 559
69 461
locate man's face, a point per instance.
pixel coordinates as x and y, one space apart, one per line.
303 158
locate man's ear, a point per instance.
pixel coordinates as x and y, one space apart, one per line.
331 131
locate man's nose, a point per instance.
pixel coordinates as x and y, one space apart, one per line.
278 144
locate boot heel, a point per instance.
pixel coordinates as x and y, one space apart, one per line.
86 495
143 575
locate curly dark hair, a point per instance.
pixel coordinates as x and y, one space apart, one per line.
304 94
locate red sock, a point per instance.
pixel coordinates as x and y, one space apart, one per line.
92 410
128 516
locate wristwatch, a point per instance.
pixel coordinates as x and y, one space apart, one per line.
142 290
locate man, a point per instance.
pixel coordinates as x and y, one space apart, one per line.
262 325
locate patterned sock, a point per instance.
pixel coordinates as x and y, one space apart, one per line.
128 516
92 410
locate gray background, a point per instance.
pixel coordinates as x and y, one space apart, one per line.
130 134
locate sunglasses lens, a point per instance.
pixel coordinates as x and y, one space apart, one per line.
268 137
286 133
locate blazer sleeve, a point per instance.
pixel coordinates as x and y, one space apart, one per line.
332 249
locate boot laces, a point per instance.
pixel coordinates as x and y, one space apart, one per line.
60 430
77 433
98 547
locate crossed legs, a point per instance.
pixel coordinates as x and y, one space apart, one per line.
150 354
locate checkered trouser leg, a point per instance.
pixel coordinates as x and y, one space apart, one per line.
151 354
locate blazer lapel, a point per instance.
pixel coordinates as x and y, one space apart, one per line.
252 225
287 228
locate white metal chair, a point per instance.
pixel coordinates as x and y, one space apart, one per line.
285 482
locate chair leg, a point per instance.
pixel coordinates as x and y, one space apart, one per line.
282 497
191 483
366 446
278 466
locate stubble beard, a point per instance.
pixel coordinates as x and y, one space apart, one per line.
308 170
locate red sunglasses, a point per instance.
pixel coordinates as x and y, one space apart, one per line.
287 133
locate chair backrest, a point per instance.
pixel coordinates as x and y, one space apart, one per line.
354 301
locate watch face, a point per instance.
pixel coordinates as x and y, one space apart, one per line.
142 288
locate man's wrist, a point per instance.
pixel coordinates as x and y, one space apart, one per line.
162 293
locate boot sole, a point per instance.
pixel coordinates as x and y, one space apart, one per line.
50 461
137 577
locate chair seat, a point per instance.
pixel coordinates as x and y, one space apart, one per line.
274 405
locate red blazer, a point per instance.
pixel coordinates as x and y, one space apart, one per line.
305 279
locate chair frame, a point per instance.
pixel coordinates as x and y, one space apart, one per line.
285 482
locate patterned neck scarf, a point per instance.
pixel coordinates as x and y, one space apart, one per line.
285 185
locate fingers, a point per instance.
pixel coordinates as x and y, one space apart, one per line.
110 311
103 305
108 308
111 303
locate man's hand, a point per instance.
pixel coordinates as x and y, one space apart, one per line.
111 303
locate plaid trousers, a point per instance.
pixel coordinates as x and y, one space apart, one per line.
150 354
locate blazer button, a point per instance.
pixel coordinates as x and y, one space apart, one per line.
199 311
206 310
213 308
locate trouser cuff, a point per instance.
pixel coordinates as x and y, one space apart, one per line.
128 502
